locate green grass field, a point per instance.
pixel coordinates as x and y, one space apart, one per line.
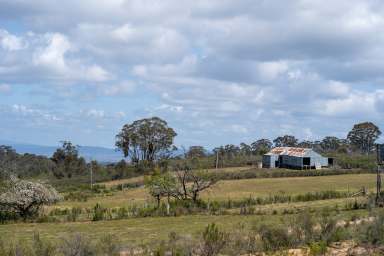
145 230
240 189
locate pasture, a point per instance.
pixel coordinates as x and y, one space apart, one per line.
148 230
240 189
136 231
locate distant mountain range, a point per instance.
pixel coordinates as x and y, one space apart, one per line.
101 154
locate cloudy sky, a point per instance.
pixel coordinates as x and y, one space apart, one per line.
218 71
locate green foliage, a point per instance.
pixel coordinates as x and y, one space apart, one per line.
23 165
160 185
275 237
74 214
357 161
68 162
285 141
99 213
318 248
373 233
147 139
213 240
363 136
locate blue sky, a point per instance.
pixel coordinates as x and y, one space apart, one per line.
218 71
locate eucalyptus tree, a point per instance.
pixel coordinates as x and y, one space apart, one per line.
68 160
196 152
363 136
261 146
285 141
147 139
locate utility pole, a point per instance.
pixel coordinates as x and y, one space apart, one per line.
380 160
217 158
91 170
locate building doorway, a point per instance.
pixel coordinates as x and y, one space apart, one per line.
306 161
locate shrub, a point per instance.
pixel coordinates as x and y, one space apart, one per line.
76 244
317 248
328 228
303 228
25 198
98 213
213 240
122 213
74 214
274 237
41 247
373 233
7 216
109 245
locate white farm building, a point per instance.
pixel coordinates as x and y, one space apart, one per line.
295 158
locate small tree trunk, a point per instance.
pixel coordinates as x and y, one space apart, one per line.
158 201
195 195
168 206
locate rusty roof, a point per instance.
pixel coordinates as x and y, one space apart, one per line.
289 151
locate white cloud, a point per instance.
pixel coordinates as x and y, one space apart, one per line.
10 42
94 113
337 89
52 55
354 104
38 115
96 73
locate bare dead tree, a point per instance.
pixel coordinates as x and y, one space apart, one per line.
191 183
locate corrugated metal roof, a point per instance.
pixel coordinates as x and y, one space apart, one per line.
289 151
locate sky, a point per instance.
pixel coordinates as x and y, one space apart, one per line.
218 71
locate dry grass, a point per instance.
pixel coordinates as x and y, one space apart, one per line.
240 189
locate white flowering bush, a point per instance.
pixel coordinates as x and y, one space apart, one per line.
25 198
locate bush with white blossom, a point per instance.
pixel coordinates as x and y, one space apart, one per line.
25 198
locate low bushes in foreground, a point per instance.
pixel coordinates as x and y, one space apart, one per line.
312 232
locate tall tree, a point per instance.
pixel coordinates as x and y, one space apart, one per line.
231 151
285 141
147 139
306 144
245 149
331 144
68 161
196 152
363 136
261 146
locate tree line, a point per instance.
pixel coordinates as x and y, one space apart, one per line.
149 142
